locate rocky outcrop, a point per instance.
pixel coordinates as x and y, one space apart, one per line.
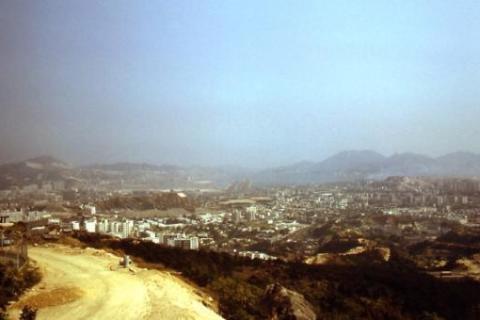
284 304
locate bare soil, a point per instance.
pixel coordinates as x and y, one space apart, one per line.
90 284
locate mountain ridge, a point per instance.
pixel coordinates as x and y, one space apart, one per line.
347 165
368 164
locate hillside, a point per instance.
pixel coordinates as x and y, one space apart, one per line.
161 201
369 289
33 171
355 165
344 166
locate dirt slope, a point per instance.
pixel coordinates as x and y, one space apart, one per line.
89 284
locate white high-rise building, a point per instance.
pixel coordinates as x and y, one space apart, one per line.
194 243
75 225
251 213
127 228
90 226
114 227
102 226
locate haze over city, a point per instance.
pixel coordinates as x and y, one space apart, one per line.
241 160
236 83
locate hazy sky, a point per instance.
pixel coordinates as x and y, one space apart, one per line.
255 83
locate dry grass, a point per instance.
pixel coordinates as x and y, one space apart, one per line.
51 298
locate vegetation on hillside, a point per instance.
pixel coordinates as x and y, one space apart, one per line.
161 201
14 282
366 290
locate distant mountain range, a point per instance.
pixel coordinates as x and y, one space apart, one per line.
343 166
48 170
33 171
366 164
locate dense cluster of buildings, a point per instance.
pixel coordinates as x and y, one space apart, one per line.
251 223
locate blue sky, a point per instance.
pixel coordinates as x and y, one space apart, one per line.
253 83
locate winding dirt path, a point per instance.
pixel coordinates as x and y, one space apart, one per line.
89 284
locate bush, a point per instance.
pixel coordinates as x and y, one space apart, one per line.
14 282
28 313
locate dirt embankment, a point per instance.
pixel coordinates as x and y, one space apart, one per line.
90 284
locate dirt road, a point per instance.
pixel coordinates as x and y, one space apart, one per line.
89 284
